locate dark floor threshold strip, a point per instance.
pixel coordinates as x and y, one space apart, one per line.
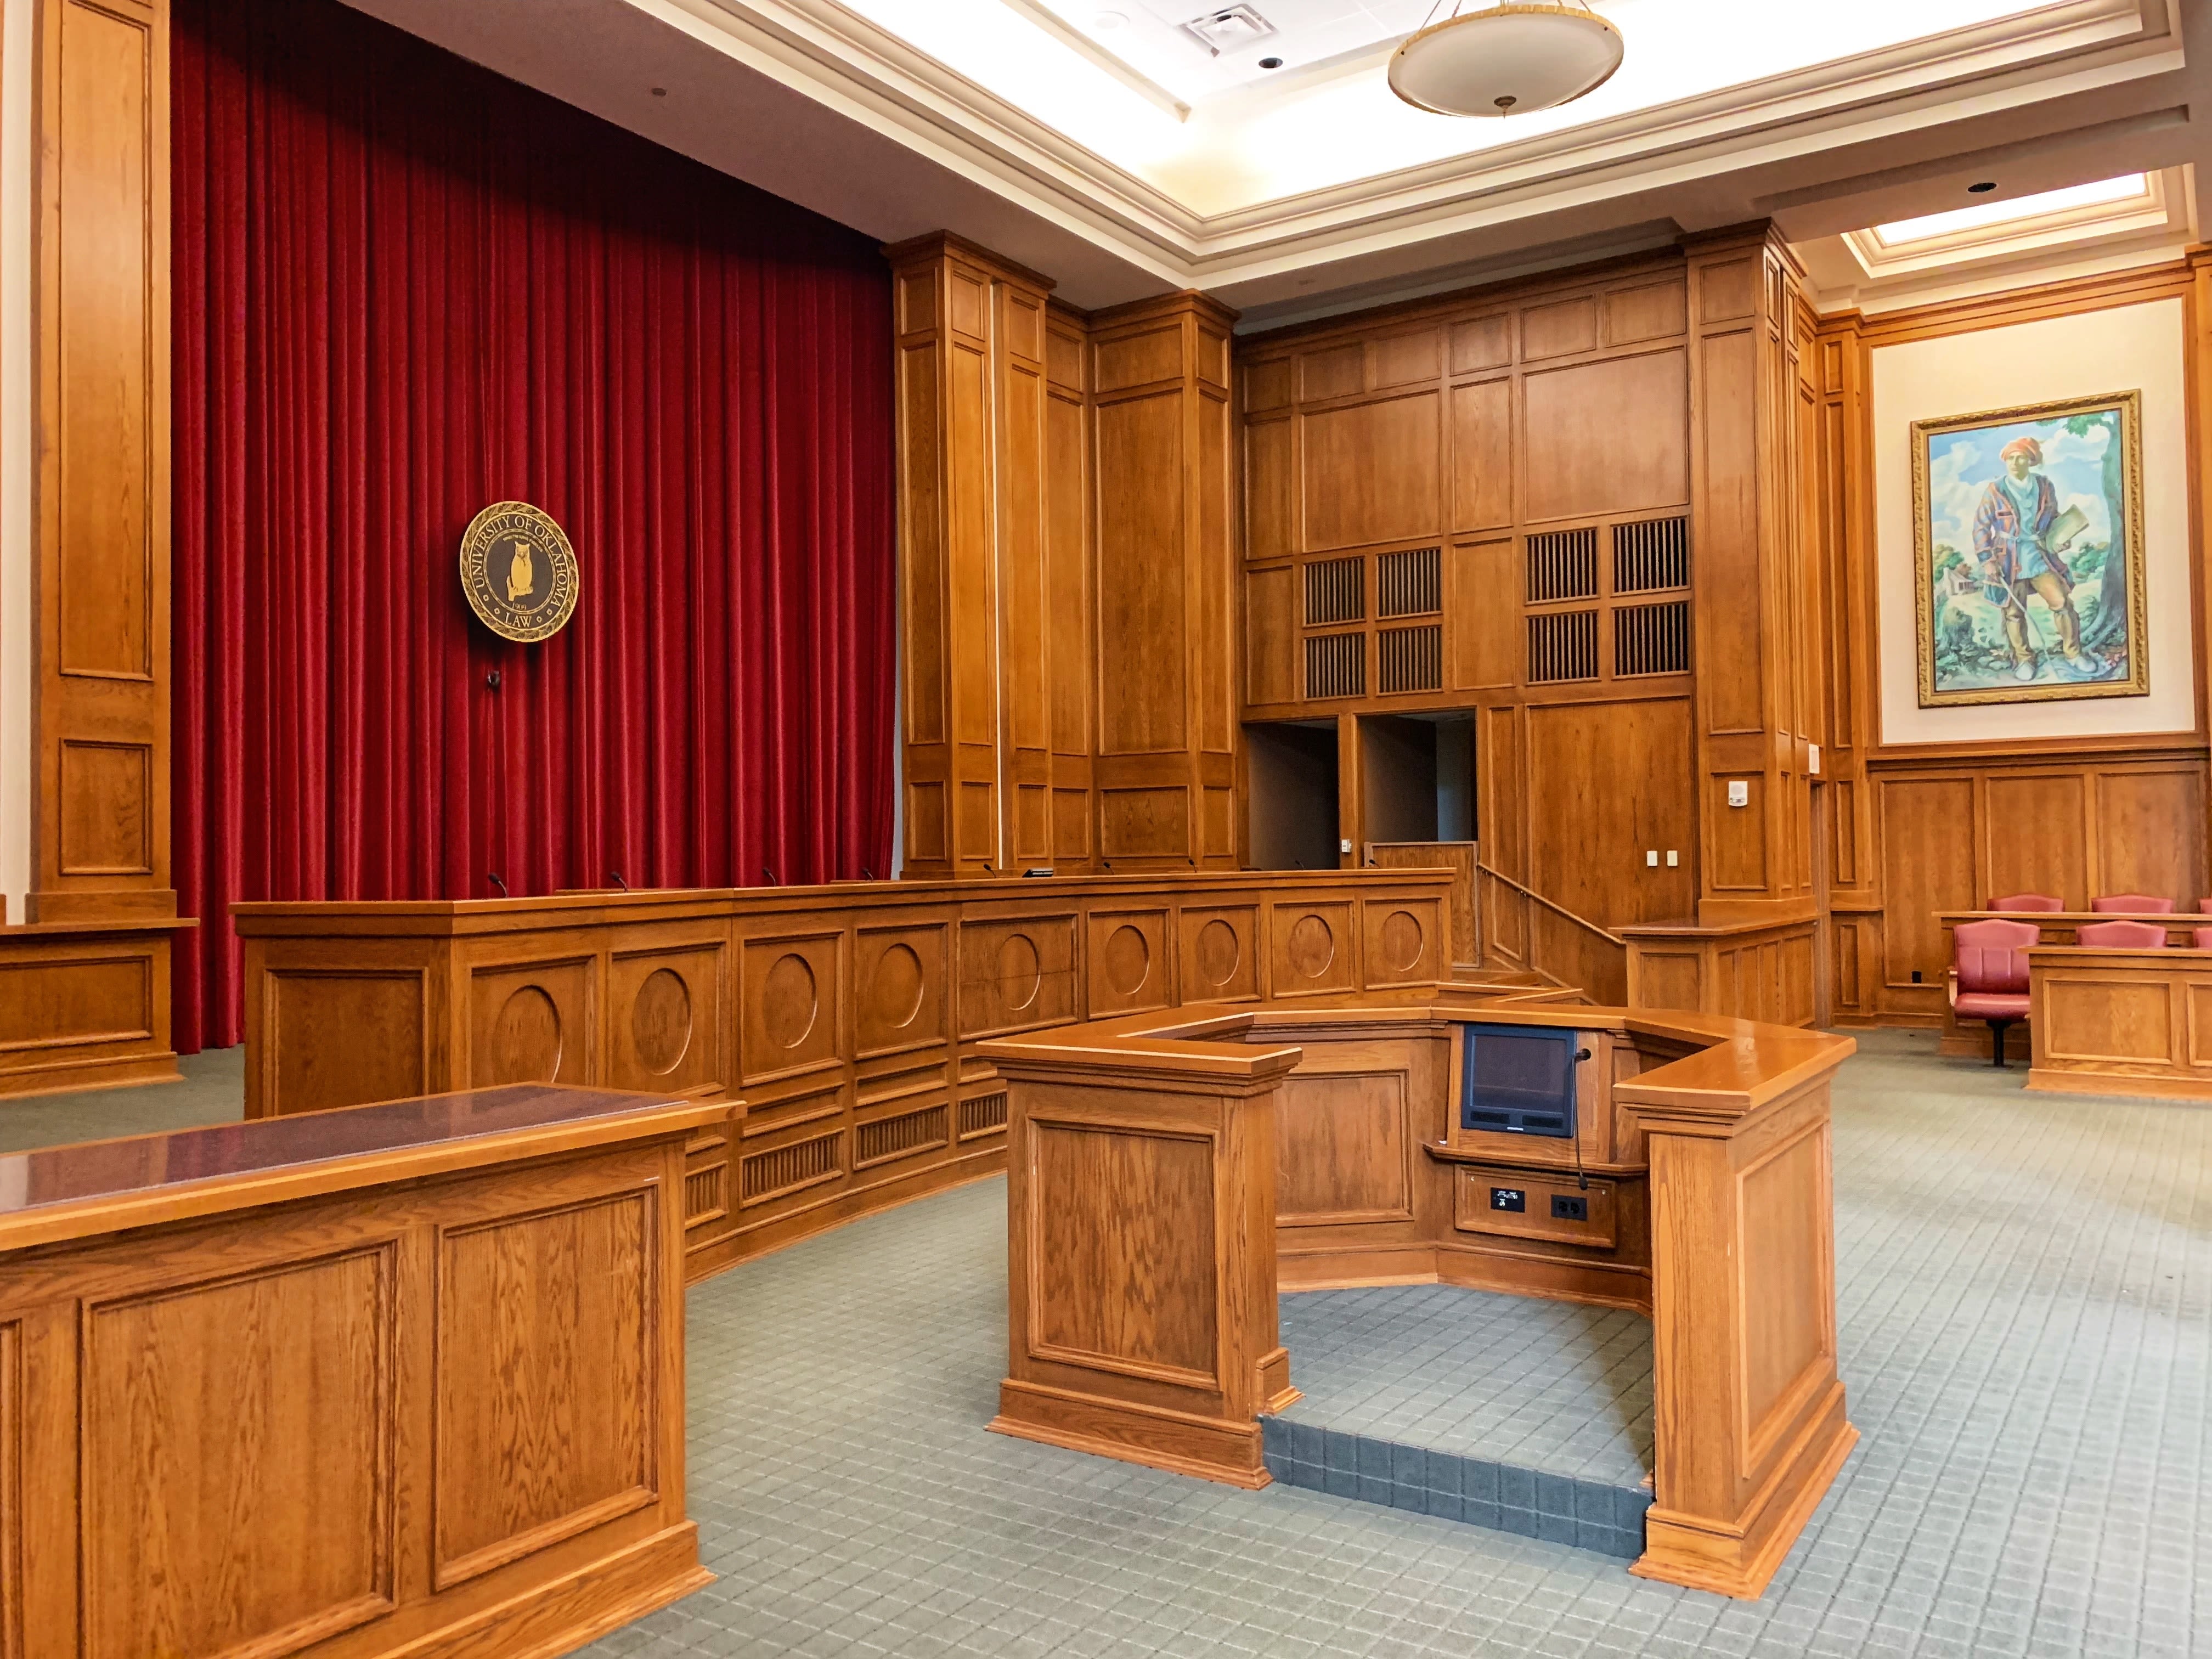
1556 1507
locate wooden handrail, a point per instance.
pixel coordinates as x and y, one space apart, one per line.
1582 922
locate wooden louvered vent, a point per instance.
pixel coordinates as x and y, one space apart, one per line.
1651 638
1336 665
1651 556
1410 659
1336 591
1409 585
1562 646
1562 565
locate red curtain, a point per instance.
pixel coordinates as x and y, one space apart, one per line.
405 288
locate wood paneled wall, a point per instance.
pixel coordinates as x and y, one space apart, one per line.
1908 831
1067 603
1166 773
1432 494
100 368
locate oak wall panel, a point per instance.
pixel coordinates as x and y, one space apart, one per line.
1485 633
1928 867
1344 1143
1482 455
1563 328
1144 655
101 479
1585 459
1370 473
537 1022
2145 845
2035 842
1270 525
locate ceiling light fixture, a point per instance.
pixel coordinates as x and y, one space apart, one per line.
1506 59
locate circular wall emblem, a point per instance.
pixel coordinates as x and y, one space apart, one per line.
518 572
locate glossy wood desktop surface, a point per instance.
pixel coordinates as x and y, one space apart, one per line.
847 1017
2109 1022
1170 1173
407 1378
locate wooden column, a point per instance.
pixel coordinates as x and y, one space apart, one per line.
84 990
1748 332
1167 626
101 345
1749 1425
976 633
1140 1258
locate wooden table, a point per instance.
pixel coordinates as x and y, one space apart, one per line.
406 1378
2121 1022
1170 1173
1971 1036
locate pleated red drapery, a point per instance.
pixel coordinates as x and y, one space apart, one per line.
405 288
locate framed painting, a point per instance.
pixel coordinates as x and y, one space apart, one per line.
2028 531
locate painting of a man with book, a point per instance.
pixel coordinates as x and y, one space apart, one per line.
2030 547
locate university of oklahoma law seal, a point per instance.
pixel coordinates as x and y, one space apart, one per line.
518 572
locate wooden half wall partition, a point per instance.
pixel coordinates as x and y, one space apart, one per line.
1147 1153
2112 1022
84 988
406 1381
1761 970
847 1017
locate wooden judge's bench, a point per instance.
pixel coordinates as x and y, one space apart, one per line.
847 1017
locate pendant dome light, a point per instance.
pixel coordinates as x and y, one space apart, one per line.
1506 59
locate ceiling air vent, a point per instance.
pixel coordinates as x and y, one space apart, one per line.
1336 591
1229 29
1650 556
1562 565
1562 646
1409 584
1410 659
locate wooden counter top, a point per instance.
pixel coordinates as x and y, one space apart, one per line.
96 1187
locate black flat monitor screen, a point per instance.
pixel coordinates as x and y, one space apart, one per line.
1520 1079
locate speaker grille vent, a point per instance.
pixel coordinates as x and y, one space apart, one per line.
883 1139
1409 584
1562 646
982 1114
1336 665
786 1169
1651 556
1336 591
1410 659
1562 565
1651 638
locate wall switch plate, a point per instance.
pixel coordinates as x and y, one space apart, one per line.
1674 858
1813 760
1345 844
1739 791
1651 857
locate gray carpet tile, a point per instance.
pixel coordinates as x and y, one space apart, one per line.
213 1091
2025 1296
1508 1379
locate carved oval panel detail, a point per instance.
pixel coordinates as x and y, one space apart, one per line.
897 988
527 1041
788 1002
1128 960
1218 952
1403 936
1020 974
661 1021
1311 947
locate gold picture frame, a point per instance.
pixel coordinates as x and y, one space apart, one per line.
2000 590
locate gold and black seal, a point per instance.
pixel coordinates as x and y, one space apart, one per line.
518 572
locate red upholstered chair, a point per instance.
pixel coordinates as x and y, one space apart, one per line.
2027 902
1989 975
2121 935
2201 938
2132 904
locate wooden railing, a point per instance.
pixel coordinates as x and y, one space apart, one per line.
1460 857
1524 929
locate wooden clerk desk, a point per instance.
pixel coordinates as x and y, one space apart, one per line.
1971 1036
404 1379
2110 1022
1170 1172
